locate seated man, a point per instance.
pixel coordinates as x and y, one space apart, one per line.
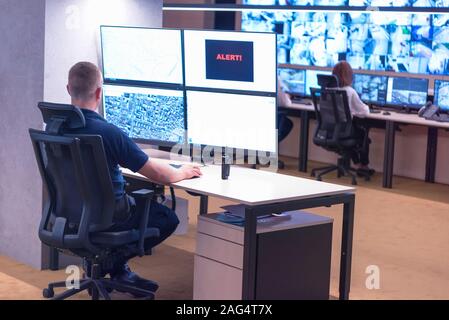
85 88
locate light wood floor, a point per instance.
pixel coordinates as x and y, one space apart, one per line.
403 231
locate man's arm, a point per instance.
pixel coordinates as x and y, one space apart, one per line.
161 172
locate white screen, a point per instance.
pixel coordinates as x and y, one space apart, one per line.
264 60
144 113
312 79
137 54
231 120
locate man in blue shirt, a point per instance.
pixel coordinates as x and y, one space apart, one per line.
85 88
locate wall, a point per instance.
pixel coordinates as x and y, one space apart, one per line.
73 34
22 26
188 19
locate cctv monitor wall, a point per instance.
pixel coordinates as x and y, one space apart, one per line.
407 92
141 55
441 92
232 120
384 41
371 88
146 114
230 60
293 81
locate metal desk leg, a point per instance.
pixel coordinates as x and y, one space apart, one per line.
346 248
249 256
389 154
431 156
204 204
304 141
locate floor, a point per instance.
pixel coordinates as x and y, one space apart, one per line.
400 234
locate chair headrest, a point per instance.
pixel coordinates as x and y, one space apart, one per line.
327 81
57 116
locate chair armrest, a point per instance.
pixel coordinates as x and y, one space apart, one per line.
145 196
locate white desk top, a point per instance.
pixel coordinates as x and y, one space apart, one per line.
253 187
409 118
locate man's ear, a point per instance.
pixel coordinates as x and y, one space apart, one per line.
68 89
98 93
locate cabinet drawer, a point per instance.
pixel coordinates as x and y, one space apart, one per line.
216 281
220 250
221 230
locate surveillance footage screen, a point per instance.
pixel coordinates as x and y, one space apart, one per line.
375 3
231 120
142 113
371 88
230 60
293 81
392 41
442 94
312 79
139 54
407 92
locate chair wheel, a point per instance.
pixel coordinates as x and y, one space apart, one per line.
319 179
48 293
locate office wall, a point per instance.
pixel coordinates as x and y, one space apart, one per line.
22 26
73 34
188 19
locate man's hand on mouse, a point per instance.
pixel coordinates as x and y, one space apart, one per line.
191 171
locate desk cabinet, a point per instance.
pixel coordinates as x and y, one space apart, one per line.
293 258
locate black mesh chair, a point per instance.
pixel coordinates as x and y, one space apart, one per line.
335 129
80 204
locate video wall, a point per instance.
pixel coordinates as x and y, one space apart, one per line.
216 88
384 41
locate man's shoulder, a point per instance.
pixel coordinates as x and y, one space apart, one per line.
104 128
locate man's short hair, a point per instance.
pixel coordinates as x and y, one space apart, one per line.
84 80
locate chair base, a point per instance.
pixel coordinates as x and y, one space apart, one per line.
343 168
96 287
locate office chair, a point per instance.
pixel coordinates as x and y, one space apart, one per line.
335 131
80 204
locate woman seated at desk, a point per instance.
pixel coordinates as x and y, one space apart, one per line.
343 71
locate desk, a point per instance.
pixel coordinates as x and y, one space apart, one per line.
391 122
265 192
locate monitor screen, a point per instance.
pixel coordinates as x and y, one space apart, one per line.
442 94
231 120
312 79
147 114
371 88
388 41
143 55
230 60
293 81
407 92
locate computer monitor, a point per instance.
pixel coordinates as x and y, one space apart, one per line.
371 88
232 120
141 55
147 115
312 79
407 92
441 94
293 81
230 60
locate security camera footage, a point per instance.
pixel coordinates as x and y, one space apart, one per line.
374 3
143 113
392 41
293 80
371 88
407 92
442 94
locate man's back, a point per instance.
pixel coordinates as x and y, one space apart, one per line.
119 148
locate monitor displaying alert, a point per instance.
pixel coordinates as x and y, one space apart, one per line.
141 55
230 60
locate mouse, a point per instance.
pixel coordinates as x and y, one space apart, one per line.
386 113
